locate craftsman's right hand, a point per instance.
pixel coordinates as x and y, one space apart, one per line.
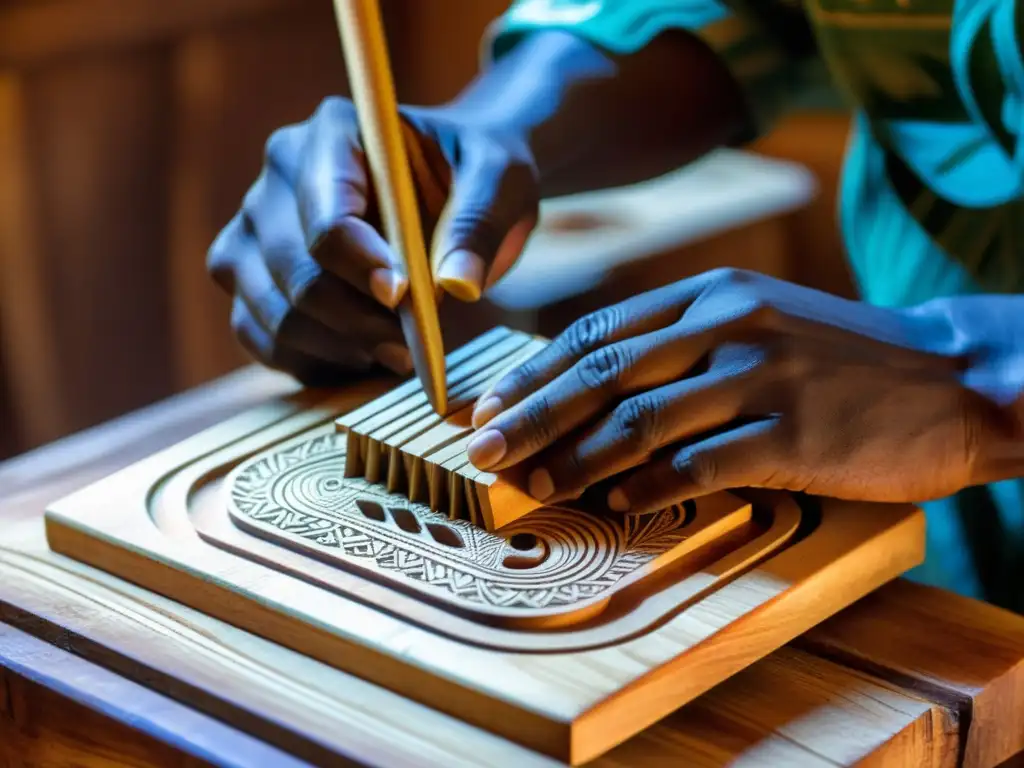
312 278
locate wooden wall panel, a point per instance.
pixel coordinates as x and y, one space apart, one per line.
101 131
34 409
233 88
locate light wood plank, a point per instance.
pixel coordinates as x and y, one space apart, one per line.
572 704
149 633
952 649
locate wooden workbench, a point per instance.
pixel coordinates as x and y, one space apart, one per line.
93 669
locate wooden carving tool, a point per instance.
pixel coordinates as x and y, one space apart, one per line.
373 91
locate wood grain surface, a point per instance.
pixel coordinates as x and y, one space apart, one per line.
695 615
799 706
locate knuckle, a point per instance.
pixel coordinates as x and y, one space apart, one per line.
604 368
789 363
505 189
335 108
300 280
280 146
218 259
274 310
519 379
591 331
732 276
478 227
575 470
251 201
742 359
697 468
637 421
540 427
762 313
239 318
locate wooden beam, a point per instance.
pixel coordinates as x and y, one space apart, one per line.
948 648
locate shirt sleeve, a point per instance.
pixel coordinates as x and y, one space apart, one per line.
769 50
992 31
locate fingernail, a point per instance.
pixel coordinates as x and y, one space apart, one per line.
486 410
387 286
540 484
487 448
462 275
617 501
394 356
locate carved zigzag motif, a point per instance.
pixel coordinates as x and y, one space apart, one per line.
299 496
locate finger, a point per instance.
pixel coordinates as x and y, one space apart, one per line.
283 151
636 429
587 390
491 211
750 455
285 325
262 346
356 319
221 257
332 193
639 315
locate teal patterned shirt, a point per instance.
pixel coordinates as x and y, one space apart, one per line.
932 198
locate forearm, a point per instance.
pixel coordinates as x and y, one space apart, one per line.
595 120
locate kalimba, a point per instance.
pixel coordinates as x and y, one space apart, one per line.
351 527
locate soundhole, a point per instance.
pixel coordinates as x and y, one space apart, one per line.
442 534
408 522
527 552
524 542
372 510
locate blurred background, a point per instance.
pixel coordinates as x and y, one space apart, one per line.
130 130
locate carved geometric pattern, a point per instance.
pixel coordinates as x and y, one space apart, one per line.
553 558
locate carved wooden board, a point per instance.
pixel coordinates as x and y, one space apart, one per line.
563 631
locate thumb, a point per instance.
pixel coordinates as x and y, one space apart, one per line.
491 210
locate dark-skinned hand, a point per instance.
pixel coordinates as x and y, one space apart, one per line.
731 380
311 277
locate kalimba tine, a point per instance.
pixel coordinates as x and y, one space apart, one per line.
350 527
397 439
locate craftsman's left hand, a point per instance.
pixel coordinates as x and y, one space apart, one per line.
730 380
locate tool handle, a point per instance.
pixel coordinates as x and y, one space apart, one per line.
373 92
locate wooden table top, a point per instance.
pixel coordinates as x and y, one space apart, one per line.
908 676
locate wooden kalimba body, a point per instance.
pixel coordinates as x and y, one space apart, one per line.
351 527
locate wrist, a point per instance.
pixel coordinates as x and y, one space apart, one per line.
986 336
591 119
